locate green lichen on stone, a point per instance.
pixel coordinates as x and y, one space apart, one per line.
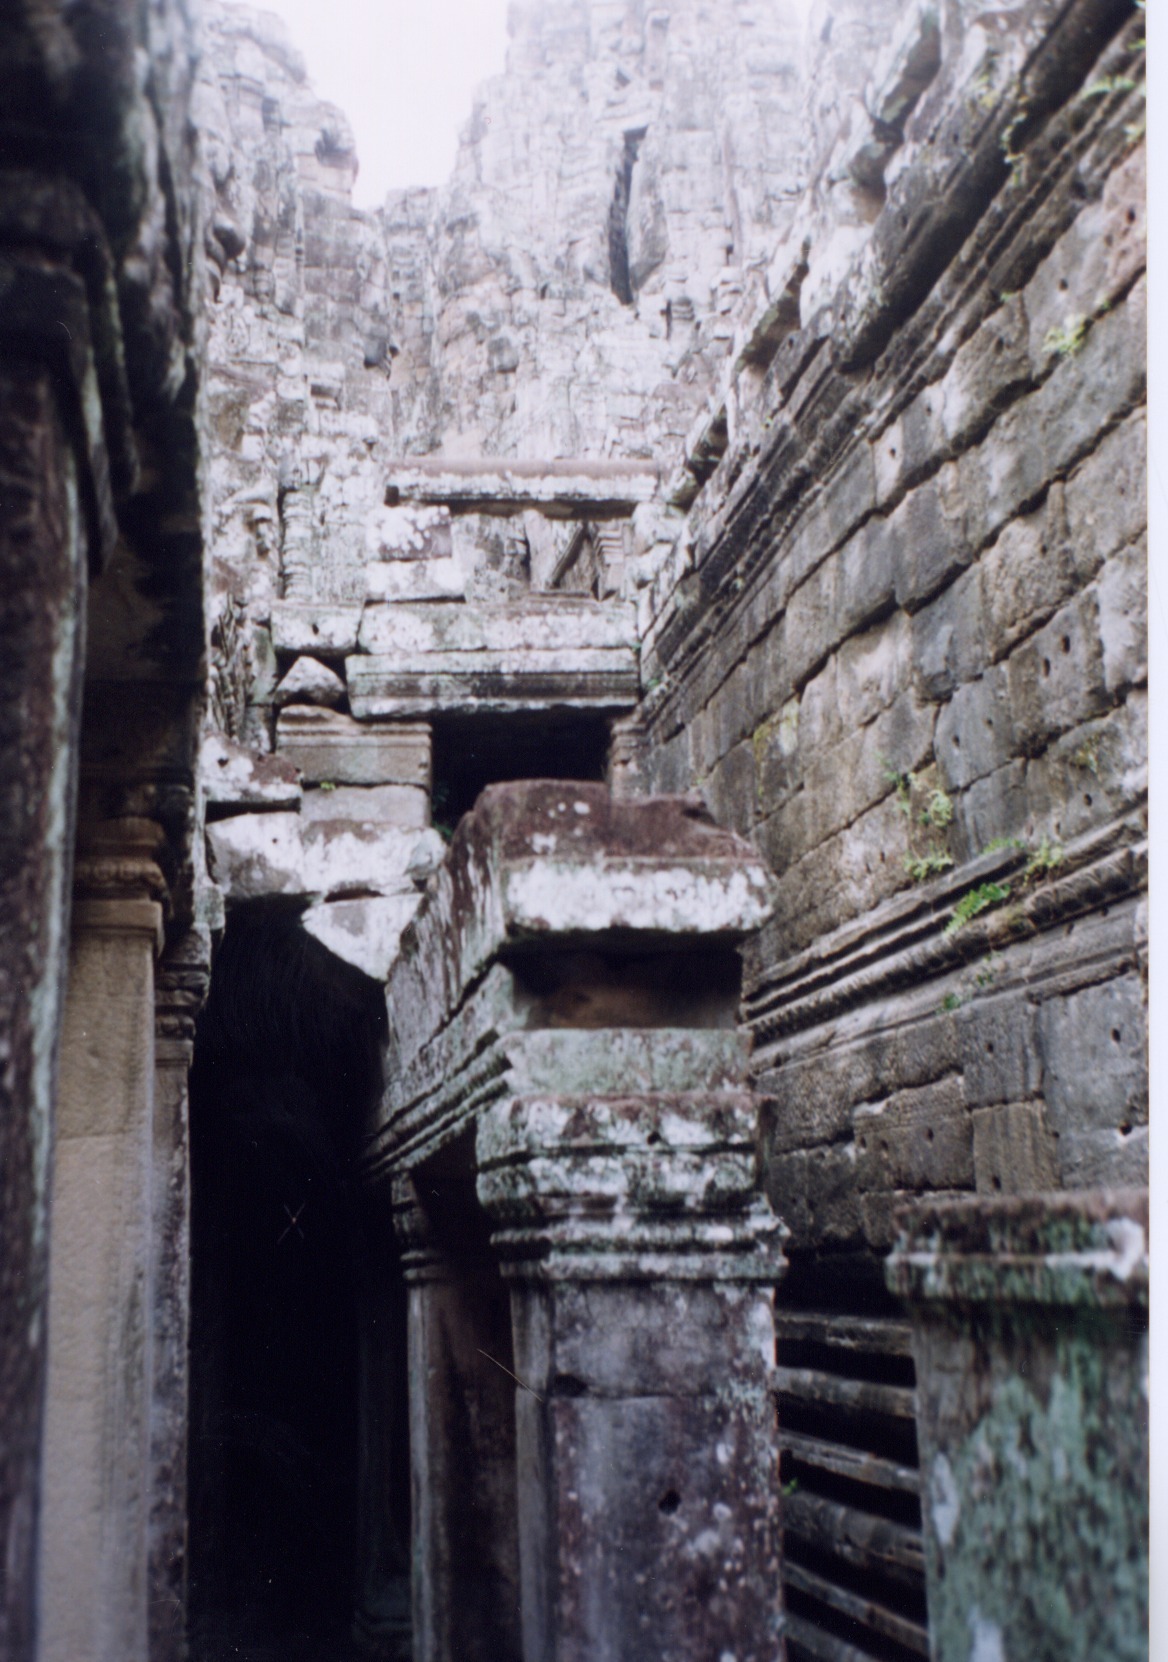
1041 1511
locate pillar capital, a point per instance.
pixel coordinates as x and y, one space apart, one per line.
631 1188
118 885
422 1257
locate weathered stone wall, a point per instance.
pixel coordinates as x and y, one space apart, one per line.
902 645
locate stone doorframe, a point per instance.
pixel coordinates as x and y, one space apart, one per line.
568 1144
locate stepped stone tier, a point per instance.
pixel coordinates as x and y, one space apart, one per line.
562 1046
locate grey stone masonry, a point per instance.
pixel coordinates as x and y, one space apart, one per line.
1030 1337
560 489
563 1065
531 653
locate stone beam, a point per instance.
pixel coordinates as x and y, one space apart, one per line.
568 1093
553 865
536 652
560 489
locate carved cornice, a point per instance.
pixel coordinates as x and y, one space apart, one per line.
1087 1250
910 940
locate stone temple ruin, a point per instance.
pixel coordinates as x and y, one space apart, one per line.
573 844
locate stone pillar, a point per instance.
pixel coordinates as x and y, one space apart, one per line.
42 609
181 986
462 1441
642 1271
96 1469
382 1622
1031 1347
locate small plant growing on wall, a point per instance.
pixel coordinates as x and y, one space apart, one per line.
929 813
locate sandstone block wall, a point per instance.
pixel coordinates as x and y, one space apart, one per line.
902 645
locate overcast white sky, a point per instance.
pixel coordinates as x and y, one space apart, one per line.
404 72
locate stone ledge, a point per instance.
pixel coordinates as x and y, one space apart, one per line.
561 489
1088 1248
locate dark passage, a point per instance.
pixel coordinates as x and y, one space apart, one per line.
478 751
287 1061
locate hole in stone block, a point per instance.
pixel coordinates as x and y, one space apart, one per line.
567 1385
669 1503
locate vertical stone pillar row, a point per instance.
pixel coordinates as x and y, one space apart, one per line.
56 524
567 1102
642 1269
180 988
96 1484
462 1440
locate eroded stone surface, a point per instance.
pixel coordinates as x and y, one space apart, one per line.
1031 1350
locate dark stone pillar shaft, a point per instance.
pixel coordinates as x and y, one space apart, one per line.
642 1269
462 1453
647 1471
42 594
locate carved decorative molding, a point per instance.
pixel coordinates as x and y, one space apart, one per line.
911 939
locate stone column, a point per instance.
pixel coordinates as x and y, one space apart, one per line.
462 1441
96 1469
1031 1347
43 553
382 1623
181 985
642 1271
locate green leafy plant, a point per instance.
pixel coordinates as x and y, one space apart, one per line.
1065 339
1107 84
921 867
326 785
1087 755
999 843
1044 859
978 900
902 783
951 1002
926 856
937 811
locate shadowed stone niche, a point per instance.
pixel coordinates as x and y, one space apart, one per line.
1031 1344
569 1143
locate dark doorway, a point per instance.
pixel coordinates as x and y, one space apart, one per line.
473 752
287 1064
